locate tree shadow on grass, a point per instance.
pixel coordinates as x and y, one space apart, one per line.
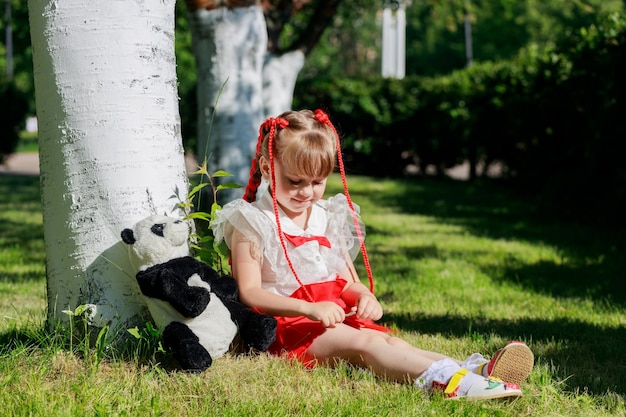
18 189
592 260
21 193
584 356
566 278
573 349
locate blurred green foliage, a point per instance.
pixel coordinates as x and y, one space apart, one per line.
552 117
543 96
13 108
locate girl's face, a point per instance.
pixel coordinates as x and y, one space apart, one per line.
293 193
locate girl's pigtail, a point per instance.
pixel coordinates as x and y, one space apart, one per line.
255 171
255 176
322 117
253 183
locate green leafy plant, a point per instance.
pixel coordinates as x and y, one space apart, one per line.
202 241
81 331
148 341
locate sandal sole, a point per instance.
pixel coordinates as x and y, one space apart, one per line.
503 396
514 363
509 393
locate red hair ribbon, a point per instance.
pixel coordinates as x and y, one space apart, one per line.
274 122
281 122
321 117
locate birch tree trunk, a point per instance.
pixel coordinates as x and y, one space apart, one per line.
109 143
280 73
229 45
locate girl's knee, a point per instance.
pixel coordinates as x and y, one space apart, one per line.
397 342
367 340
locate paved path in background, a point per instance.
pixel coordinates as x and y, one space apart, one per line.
28 164
21 164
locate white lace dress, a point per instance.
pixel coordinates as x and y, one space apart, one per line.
331 218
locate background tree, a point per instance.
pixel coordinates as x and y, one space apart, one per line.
15 76
228 46
109 145
245 74
13 110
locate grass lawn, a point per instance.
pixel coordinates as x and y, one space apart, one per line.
27 142
459 268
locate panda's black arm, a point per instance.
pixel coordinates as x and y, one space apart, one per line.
163 283
186 266
225 288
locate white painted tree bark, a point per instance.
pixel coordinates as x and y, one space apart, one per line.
229 46
280 74
109 142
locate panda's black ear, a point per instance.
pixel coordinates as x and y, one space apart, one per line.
128 236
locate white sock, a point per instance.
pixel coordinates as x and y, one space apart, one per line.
442 371
473 361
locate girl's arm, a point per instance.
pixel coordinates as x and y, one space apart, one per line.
365 304
246 270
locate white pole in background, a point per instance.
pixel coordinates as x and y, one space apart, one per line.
469 50
8 34
394 39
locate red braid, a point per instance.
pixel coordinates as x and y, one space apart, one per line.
255 173
322 117
281 236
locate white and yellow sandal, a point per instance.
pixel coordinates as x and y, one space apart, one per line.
483 389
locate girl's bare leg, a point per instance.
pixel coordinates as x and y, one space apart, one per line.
387 356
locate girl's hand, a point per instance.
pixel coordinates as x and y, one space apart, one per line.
368 307
326 312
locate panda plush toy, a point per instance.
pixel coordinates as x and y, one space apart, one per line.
196 308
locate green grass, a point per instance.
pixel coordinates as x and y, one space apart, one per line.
28 142
459 268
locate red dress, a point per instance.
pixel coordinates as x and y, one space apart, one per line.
294 335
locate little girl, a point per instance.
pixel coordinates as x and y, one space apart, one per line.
292 255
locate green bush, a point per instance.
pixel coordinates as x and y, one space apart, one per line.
552 118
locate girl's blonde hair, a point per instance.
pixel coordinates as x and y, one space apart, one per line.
304 143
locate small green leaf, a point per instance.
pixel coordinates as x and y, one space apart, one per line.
228 185
80 310
197 188
221 173
198 215
151 329
135 332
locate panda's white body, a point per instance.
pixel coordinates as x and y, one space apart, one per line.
214 327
